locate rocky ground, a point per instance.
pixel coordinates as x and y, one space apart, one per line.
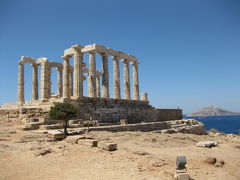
140 155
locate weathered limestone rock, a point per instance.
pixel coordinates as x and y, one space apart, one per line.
88 142
107 146
56 134
208 144
182 176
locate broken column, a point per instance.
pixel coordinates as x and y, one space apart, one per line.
144 97
116 78
20 82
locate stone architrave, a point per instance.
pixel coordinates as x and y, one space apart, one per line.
60 85
105 76
20 82
126 79
45 79
135 81
34 81
66 92
116 78
91 75
78 64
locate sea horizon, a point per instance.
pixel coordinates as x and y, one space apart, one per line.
229 124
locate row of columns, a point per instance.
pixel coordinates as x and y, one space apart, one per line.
72 82
94 80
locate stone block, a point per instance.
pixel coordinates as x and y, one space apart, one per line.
107 146
182 176
74 139
123 121
88 142
55 134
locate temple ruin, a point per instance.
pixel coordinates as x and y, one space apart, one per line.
97 104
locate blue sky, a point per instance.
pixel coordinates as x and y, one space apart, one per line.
189 50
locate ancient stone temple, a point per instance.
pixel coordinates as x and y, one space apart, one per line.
97 104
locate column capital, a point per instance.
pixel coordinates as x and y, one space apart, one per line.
125 60
134 62
34 65
21 62
66 57
77 47
103 54
117 58
59 68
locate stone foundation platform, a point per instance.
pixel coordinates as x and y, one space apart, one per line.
99 109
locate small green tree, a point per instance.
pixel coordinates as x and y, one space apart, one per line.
63 112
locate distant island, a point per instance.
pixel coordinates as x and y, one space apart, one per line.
212 111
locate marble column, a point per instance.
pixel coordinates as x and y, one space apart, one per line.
20 82
71 83
78 83
59 82
45 82
144 97
49 70
91 75
105 81
126 79
66 92
98 86
116 78
34 81
135 81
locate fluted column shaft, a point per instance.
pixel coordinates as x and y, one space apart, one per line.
91 75
71 83
45 80
116 79
66 92
60 85
34 82
78 83
20 82
105 78
135 81
126 79
98 86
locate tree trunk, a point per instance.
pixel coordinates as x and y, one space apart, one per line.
65 127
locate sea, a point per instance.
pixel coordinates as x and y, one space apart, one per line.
226 124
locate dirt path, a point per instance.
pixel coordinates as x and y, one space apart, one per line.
140 155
